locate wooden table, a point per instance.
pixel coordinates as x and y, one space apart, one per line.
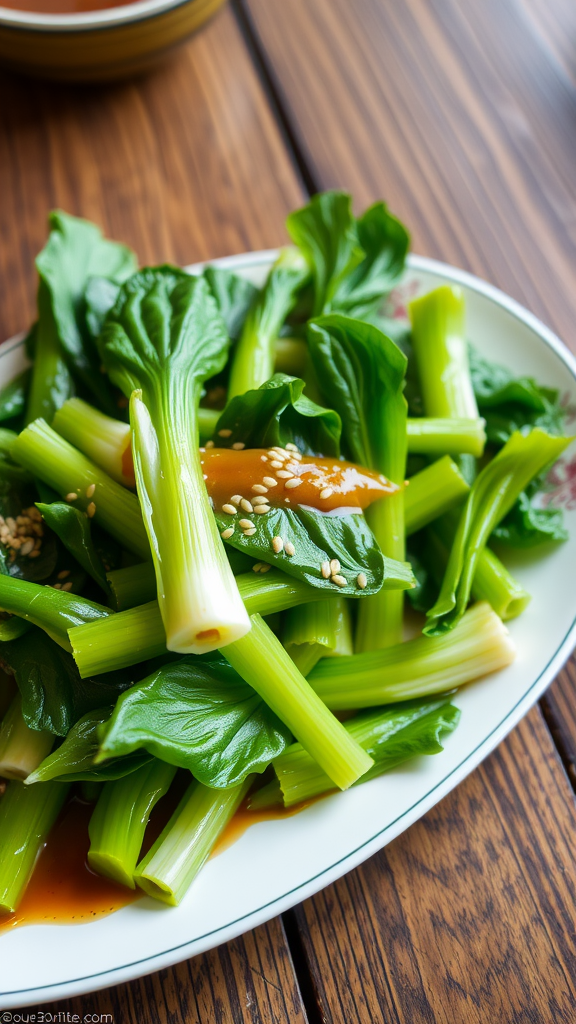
462 116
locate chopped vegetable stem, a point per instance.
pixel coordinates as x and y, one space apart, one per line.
21 748
26 816
429 436
431 492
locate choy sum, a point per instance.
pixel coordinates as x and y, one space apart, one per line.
163 338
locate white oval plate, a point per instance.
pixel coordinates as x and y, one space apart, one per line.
276 864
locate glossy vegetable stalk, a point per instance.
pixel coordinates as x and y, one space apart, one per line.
57 463
431 492
120 818
441 353
390 735
138 633
494 492
26 816
183 847
21 749
433 436
54 611
478 645
262 661
253 359
315 631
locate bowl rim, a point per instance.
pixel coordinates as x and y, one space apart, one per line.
110 17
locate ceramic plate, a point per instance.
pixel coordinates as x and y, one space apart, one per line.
276 864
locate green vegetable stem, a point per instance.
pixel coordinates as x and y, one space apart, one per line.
315 631
27 815
21 749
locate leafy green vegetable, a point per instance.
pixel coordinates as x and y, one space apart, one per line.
161 341
234 295
13 397
73 760
385 242
100 295
362 371
492 496
74 529
319 538
198 715
510 403
526 525
253 358
54 696
278 412
74 252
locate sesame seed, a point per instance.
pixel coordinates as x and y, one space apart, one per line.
91 510
297 455
246 505
62 575
271 455
246 524
205 476
263 458
56 586
291 447
339 581
90 490
291 465
277 544
325 570
294 482
327 492
265 567
259 500
238 446
67 586
284 474
250 533
281 452
276 464
209 444
224 432
227 533
230 510
236 499
71 496
289 549
257 567
261 509
361 580
270 481
334 566
27 547
11 523
259 489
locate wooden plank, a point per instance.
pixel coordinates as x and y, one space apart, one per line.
555 23
469 916
248 981
185 164
559 706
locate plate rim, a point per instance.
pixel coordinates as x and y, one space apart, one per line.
254 918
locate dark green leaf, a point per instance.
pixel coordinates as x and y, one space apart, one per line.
526 526
385 242
13 397
74 530
278 412
234 296
402 731
318 538
361 372
76 251
54 696
99 296
326 233
73 760
198 715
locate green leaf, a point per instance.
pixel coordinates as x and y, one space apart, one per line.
510 403
319 538
54 696
100 295
326 233
526 526
234 296
385 242
74 530
13 397
276 413
76 251
73 760
362 373
198 715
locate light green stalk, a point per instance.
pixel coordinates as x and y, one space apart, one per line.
493 583
315 631
263 663
21 749
441 353
53 460
431 492
253 359
54 611
168 870
428 436
120 818
26 816
478 645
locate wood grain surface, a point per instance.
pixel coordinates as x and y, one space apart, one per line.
461 115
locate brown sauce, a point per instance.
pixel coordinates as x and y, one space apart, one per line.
63 889
62 6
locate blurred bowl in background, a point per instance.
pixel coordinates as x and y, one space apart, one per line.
98 45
